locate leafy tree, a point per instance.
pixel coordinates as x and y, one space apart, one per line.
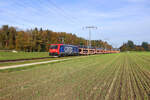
1 40
131 45
5 36
124 47
39 40
149 47
12 37
20 41
139 48
145 46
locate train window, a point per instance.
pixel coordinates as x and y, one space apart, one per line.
80 50
54 47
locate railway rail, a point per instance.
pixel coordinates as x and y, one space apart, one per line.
18 60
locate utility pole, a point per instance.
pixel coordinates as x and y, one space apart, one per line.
61 39
90 28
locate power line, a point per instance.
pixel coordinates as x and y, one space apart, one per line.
55 10
25 5
63 12
42 4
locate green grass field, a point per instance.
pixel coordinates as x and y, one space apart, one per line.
22 55
124 76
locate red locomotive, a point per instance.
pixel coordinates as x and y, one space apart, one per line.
63 50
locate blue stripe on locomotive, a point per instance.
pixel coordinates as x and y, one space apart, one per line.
74 49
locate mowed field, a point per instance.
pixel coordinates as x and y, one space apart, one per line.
22 55
124 76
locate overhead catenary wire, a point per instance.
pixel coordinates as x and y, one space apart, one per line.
64 13
22 6
40 5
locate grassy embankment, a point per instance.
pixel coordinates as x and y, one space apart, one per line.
22 55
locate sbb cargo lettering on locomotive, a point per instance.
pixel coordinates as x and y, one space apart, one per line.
68 50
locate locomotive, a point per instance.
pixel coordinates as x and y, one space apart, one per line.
71 50
63 50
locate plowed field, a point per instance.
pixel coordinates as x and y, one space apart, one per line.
124 76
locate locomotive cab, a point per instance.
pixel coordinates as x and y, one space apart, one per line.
54 50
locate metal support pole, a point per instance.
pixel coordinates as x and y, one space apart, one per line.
90 27
89 38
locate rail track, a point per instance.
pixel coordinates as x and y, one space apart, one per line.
30 59
19 60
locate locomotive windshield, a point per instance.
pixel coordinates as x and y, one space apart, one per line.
54 47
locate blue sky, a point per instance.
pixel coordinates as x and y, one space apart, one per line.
117 20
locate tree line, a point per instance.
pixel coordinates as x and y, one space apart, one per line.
130 46
38 40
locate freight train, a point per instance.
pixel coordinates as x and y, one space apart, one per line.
72 50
